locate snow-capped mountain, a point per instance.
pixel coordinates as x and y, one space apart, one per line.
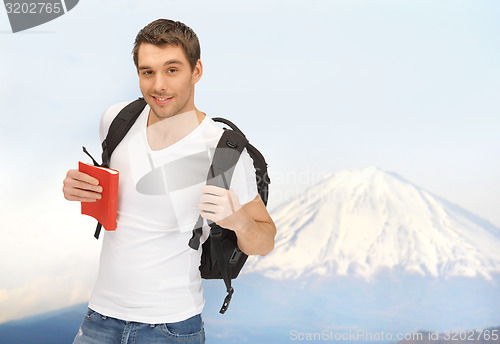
352 224
360 222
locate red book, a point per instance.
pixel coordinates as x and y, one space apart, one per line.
104 209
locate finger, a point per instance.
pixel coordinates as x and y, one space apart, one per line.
208 216
86 186
213 190
87 200
208 208
71 181
83 177
207 198
85 195
71 197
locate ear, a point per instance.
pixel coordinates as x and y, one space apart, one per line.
197 71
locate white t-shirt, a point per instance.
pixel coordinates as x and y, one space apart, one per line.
147 271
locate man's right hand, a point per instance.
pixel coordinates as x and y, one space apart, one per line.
79 186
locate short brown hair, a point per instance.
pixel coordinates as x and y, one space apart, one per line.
166 31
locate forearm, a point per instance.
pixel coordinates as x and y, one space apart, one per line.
251 222
254 237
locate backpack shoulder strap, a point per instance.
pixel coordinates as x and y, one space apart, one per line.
229 124
227 154
119 127
259 162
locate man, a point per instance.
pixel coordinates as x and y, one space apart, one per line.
148 288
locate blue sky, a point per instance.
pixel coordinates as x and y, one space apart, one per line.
319 86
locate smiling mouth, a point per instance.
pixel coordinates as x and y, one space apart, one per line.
162 100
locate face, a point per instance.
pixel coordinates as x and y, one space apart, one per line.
166 79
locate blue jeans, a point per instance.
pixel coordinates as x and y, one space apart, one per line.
99 329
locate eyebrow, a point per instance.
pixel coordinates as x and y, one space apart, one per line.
169 62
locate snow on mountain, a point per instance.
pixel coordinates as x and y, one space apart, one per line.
360 222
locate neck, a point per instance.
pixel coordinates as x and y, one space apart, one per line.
164 132
153 118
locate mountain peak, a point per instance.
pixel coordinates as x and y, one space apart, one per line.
359 222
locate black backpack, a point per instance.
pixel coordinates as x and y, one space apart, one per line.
221 257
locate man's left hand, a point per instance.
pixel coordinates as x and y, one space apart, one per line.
220 206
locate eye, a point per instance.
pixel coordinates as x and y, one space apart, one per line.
171 70
147 72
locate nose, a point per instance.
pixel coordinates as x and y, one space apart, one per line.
160 83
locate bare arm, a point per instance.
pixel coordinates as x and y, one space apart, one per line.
251 222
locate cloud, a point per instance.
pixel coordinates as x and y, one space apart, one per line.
48 255
42 295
